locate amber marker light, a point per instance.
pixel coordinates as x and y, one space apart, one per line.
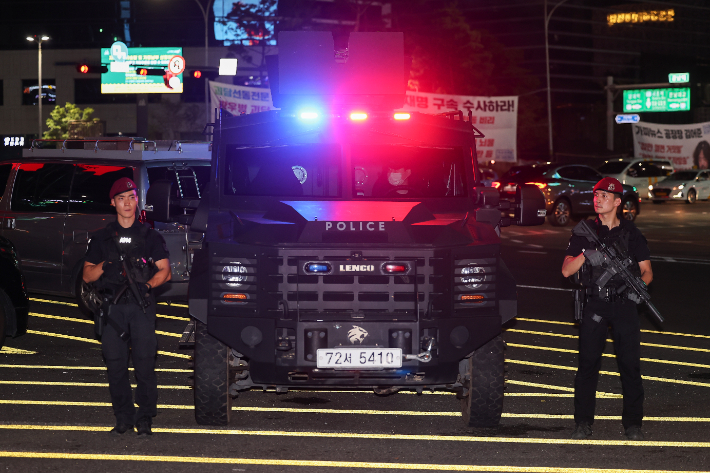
474 298
402 116
359 116
234 297
495 184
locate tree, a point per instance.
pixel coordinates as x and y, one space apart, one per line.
61 117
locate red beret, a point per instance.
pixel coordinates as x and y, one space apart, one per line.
609 184
122 185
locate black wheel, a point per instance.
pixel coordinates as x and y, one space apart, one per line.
86 298
561 213
213 403
692 197
482 373
630 209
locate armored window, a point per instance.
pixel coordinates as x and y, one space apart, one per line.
42 187
4 174
284 171
394 172
89 191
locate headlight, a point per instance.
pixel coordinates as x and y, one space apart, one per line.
681 186
650 188
473 276
234 274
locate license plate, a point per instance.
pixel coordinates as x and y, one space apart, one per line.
510 188
661 194
359 358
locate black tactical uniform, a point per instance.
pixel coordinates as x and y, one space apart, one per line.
605 308
142 246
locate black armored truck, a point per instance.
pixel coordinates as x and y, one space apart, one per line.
348 245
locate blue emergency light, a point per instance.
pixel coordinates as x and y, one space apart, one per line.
318 267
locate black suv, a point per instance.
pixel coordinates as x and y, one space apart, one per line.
14 304
347 245
568 190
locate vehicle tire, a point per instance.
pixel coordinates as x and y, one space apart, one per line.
692 197
484 377
561 213
85 297
213 403
629 209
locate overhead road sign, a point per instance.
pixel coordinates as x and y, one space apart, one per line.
629 118
679 77
142 70
657 100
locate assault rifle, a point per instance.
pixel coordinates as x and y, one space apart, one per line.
617 263
143 302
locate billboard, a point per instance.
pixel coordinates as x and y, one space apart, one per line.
126 64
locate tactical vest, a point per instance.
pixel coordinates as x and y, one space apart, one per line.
134 250
589 274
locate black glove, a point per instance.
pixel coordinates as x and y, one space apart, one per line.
632 296
596 258
144 289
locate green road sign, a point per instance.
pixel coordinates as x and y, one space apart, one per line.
677 77
657 100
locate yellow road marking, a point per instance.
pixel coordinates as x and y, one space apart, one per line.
678 334
85 321
304 410
644 344
600 394
609 355
317 463
75 305
84 385
174 304
361 436
88 368
16 351
88 340
610 373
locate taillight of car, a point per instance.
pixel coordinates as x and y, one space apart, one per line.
541 185
495 184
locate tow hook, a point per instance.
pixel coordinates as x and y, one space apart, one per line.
425 356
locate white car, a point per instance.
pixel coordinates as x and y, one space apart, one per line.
688 186
639 173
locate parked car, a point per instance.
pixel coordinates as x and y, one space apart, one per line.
488 175
687 186
568 190
639 173
14 304
56 197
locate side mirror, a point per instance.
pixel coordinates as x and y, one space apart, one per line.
157 202
530 206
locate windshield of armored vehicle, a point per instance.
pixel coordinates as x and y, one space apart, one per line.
284 171
393 172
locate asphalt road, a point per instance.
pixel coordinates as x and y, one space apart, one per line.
55 412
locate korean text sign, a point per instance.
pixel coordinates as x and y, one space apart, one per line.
683 145
237 99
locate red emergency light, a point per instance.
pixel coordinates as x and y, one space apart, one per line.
402 116
358 116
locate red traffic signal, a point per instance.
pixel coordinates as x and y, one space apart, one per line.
197 74
142 72
91 69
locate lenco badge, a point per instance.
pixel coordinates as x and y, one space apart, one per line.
355 226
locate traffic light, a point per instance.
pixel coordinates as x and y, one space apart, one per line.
91 69
203 73
197 74
143 71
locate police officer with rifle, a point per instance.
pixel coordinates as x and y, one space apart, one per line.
125 261
611 258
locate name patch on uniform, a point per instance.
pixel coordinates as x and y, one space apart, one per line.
124 240
355 226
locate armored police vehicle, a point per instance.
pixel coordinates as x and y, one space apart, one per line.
349 246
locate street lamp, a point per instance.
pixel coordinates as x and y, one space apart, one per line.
39 40
206 15
547 62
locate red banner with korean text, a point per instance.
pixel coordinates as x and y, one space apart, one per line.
237 99
495 117
686 146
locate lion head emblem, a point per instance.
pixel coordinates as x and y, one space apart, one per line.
357 334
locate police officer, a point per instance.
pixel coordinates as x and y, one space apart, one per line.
606 307
130 327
